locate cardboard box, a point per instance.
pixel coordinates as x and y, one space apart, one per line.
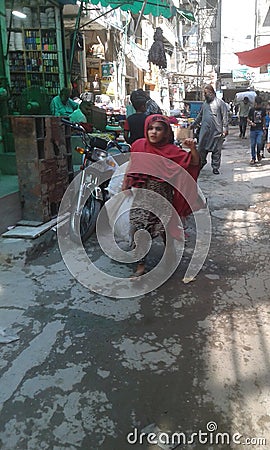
180 134
98 118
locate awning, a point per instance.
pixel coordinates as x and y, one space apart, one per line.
255 58
187 14
164 8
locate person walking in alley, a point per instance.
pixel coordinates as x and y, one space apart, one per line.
268 140
213 119
134 124
151 106
157 141
256 120
244 106
144 106
265 134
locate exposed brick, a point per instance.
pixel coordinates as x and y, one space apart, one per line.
42 144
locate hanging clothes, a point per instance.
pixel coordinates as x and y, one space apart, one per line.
157 53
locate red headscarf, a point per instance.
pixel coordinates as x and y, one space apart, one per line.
172 155
167 167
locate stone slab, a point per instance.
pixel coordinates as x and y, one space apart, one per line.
29 232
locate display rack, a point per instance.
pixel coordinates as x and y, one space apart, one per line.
35 50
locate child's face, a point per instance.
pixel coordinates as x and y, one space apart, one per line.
156 132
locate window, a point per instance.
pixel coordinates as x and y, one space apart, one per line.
264 69
211 3
211 53
266 22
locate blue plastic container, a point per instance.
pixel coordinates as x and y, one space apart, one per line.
194 108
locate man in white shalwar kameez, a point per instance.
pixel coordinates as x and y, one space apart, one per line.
213 119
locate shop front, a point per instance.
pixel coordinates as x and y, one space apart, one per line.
32 70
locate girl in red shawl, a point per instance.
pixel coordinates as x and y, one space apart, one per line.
155 163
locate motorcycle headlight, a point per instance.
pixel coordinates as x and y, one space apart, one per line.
98 155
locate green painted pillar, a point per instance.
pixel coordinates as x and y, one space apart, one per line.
4 85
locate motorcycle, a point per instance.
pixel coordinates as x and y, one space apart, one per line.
92 193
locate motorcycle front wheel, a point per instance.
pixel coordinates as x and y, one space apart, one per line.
83 225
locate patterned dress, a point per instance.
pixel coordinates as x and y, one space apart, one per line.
143 218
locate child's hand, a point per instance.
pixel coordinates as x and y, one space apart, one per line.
190 143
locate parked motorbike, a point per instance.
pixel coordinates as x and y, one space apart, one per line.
92 193
233 120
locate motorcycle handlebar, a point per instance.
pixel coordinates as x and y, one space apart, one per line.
95 141
114 143
73 125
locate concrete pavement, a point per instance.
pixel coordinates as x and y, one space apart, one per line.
90 372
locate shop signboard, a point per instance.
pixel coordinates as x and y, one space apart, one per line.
244 74
107 87
107 69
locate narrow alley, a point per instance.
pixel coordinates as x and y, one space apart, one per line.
83 371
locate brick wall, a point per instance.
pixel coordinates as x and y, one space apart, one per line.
44 164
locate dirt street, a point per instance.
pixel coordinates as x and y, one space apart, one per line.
184 362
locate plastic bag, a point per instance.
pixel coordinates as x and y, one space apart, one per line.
122 222
116 182
118 208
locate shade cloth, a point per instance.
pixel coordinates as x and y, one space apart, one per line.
256 57
157 8
163 8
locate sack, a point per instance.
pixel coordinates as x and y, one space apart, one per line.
118 208
249 94
116 182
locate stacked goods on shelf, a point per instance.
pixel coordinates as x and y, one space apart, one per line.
33 51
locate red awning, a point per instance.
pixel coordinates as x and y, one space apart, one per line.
255 58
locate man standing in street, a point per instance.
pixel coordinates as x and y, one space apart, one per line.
243 110
256 121
213 118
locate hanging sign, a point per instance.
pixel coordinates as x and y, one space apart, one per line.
243 74
107 69
107 87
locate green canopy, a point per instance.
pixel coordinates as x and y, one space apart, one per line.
186 14
164 8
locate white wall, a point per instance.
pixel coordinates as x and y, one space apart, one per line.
237 22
